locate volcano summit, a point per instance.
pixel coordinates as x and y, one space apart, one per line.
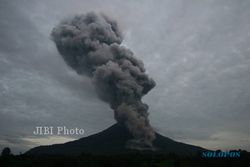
113 141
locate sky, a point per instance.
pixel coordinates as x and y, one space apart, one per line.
197 52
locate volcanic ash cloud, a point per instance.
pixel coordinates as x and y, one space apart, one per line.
90 44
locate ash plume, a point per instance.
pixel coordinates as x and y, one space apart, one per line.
90 44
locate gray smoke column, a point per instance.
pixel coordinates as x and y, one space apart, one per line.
90 44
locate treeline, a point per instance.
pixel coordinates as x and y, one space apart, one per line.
122 160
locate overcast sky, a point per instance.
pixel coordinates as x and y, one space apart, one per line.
198 52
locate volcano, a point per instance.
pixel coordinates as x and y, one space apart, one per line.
113 141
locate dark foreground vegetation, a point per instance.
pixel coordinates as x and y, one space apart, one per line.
124 160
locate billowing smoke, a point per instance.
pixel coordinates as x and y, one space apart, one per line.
90 44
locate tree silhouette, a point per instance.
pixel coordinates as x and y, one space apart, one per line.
6 152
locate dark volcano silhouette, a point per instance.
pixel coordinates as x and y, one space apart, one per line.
113 141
